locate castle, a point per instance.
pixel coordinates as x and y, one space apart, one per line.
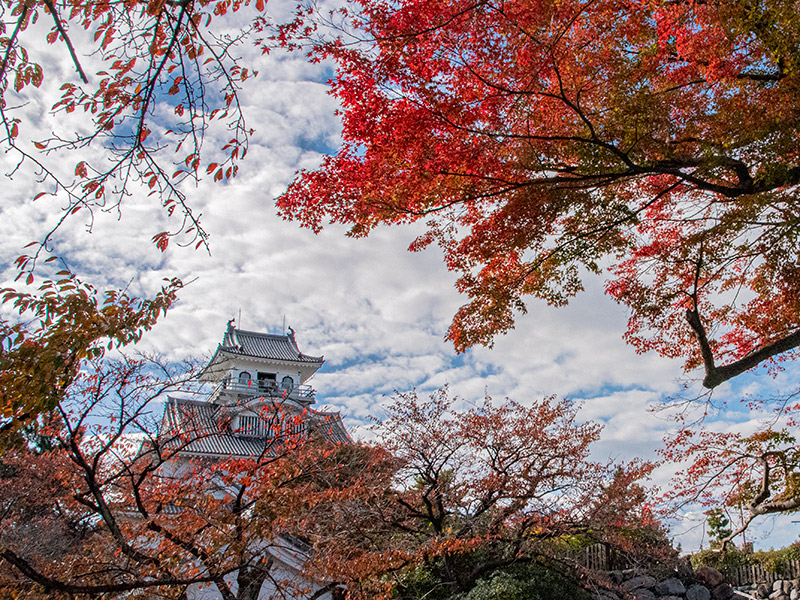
251 371
260 394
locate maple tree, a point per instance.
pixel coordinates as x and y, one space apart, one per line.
473 493
149 76
539 141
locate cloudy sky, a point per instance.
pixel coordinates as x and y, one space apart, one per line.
376 312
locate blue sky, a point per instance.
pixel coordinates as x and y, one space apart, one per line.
378 313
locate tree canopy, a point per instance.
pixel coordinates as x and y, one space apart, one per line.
116 504
655 139
480 493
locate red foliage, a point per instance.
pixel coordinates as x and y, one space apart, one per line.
101 500
539 140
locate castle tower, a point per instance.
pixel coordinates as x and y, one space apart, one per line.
249 364
261 395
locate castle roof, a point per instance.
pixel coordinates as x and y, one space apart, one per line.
264 345
266 350
196 427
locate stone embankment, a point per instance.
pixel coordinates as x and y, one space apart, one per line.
704 583
781 589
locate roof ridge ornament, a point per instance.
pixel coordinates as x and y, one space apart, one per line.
230 335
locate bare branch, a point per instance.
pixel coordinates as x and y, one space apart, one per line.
67 40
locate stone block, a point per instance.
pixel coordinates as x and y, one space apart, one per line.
684 568
709 576
723 591
698 592
671 587
642 581
643 594
762 591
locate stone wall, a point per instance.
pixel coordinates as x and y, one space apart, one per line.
780 589
683 584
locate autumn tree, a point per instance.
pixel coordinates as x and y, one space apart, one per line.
66 324
758 473
539 141
117 505
98 496
149 79
472 494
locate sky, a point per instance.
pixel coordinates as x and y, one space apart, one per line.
377 313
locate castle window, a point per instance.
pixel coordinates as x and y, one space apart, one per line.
267 381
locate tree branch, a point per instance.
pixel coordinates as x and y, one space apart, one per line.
324 590
49 583
716 375
761 504
67 41
20 21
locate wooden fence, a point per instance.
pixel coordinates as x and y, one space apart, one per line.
749 574
600 557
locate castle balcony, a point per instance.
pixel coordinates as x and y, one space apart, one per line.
232 392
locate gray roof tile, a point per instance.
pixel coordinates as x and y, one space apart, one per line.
199 427
265 345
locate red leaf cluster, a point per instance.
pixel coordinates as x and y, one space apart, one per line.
540 141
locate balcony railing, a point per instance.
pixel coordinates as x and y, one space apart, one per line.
302 393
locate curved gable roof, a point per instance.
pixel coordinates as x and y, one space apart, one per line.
265 345
202 428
